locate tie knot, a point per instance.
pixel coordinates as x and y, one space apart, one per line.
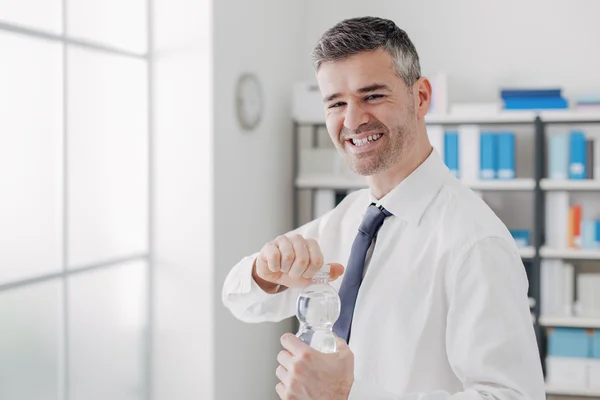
373 220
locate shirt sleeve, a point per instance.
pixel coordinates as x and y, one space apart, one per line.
248 302
490 340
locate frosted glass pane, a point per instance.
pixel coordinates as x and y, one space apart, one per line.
107 321
30 157
45 15
30 342
108 156
117 23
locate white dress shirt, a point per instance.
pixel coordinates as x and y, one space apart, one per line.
442 311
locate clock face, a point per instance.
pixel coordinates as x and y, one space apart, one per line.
249 101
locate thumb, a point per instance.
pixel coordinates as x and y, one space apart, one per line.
335 271
340 343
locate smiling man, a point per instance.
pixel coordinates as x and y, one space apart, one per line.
433 289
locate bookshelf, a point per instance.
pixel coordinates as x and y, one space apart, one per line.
538 185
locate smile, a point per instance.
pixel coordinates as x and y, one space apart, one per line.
362 142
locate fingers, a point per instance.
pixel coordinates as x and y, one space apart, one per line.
273 257
301 259
316 258
340 343
282 374
285 359
287 253
280 389
335 271
295 346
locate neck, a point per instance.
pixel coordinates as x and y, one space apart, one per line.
383 182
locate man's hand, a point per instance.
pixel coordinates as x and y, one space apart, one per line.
308 374
290 262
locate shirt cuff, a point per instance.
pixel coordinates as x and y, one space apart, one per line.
245 283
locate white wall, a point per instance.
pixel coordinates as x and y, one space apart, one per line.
485 45
252 175
184 246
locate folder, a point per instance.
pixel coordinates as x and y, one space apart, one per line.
589 152
506 155
451 152
576 227
468 139
588 228
436 138
577 160
488 162
557 219
558 159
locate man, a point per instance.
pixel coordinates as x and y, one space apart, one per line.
434 306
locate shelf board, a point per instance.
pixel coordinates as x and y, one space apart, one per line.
570 184
504 117
566 116
328 181
498 184
570 254
527 252
584 392
569 322
324 181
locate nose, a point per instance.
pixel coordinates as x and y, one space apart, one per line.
355 116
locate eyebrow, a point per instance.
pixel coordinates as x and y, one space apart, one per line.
366 89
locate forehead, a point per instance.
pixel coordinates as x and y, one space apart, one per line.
356 71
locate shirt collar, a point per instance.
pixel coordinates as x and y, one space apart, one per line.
409 200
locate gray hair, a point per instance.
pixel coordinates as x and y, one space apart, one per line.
353 36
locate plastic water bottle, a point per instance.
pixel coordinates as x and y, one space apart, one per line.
318 307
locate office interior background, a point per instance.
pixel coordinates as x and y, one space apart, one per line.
130 186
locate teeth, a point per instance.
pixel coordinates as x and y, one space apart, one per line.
360 142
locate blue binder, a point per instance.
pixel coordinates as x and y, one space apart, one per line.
577 159
488 156
506 155
451 152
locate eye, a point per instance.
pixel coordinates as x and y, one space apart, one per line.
373 97
338 104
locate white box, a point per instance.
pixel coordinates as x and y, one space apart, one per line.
307 103
594 374
567 373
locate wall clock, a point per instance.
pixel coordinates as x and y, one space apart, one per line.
249 101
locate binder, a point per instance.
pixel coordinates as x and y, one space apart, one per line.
589 152
558 159
568 288
468 139
506 155
436 138
577 162
488 162
451 152
576 227
557 219
588 234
